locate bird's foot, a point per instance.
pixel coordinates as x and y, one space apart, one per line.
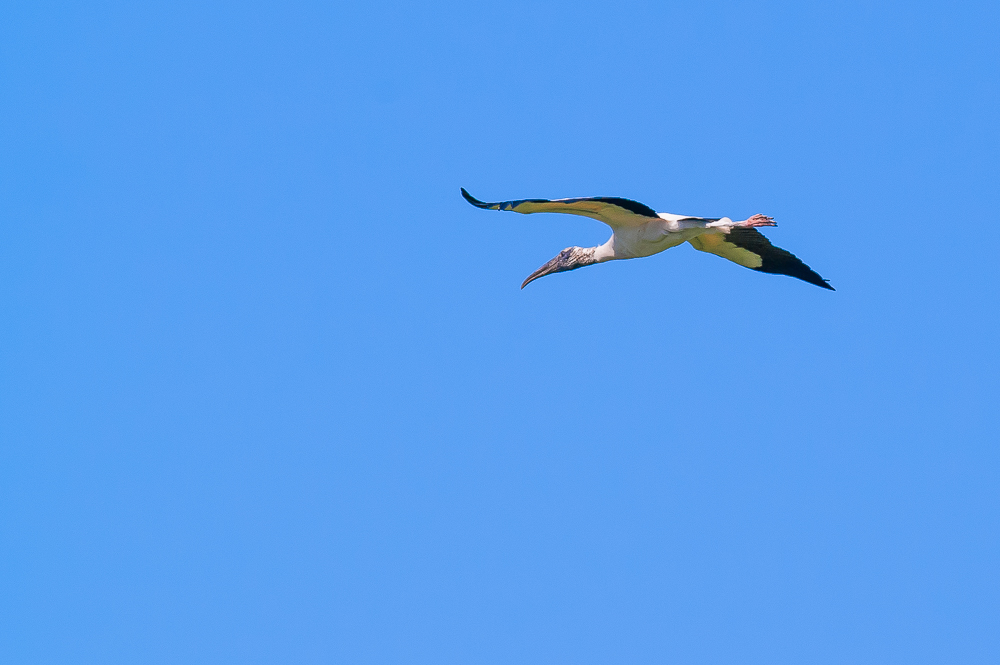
757 220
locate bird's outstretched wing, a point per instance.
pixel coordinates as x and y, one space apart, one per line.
748 247
615 212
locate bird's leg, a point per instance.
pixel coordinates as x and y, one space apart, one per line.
757 220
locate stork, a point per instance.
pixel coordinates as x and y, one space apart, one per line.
638 230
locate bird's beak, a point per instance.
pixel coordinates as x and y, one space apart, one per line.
555 265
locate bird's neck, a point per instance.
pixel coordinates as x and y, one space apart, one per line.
605 252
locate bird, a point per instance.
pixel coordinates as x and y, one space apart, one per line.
639 231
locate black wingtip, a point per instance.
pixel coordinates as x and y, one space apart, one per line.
815 279
473 200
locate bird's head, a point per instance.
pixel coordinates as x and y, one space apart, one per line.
570 258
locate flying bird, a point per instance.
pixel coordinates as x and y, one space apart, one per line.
638 230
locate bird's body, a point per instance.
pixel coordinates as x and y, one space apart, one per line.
640 231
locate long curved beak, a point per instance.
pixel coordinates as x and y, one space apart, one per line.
552 266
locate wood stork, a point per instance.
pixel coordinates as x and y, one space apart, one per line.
638 230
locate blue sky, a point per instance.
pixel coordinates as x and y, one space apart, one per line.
269 392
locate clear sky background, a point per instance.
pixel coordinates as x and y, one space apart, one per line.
269 392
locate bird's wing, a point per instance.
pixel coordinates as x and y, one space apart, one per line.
749 247
614 212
